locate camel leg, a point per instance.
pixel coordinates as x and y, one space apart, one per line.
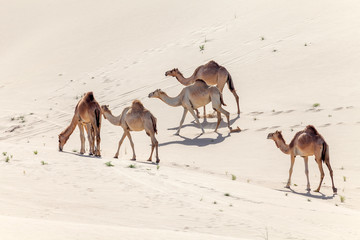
182 121
204 112
331 174
196 119
90 138
218 120
197 113
307 173
120 142
98 139
132 145
154 144
318 160
290 171
237 101
82 138
226 113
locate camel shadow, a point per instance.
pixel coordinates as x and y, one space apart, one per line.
80 155
206 124
197 141
308 194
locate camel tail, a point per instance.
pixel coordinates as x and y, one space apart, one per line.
97 116
325 152
230 83
153 119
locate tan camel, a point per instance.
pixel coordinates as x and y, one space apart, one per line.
305 143
194 96
134 118
87 114
213 74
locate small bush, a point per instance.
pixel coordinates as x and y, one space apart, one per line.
109 164
132 166
43 163
202 47
4 153
342 198
227 194
344 178
35 152
315 105
7 159
233 177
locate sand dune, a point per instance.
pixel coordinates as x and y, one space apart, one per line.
283 56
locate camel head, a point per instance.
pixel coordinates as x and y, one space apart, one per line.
105 109
62 141
274 136
155 94
172 72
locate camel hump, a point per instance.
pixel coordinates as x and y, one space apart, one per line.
137 105
213 63
89 97
311 129
200 81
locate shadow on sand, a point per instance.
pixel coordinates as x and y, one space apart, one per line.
197 141
207 125
80 155
307 194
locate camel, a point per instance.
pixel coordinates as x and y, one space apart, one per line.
191 97
305 143
87 115
134 118
213 74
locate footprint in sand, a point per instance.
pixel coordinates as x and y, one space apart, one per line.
349 107
273 127
340 123
326 125
255 113
262 129
289 111
277 113
338 108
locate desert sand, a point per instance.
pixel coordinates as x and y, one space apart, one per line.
293 63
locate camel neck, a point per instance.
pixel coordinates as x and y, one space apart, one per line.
69 130
112 119
283 146
183 80
172 101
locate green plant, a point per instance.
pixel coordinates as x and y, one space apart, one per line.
7 159
74 150
4 153
309 200
286 194
295 184
214 202
109 164
262 38
315 105
342 198
132 166
43 163
227 194
305 44
35 152
233 177
202 47
158 167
